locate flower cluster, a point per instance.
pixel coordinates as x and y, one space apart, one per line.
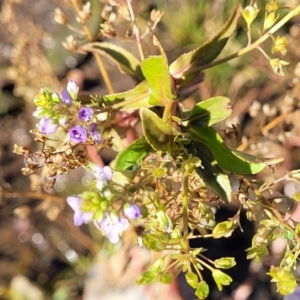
98 206
55 110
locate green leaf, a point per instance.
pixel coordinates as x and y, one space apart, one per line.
135 98
153 242
158 265
202 290
227 158
192 279
209 112
157 133
156 72
211 174
205 53
133 155
126 62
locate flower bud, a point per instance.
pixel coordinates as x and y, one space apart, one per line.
165 224
73 88
270 19
131 211
250 13
280 45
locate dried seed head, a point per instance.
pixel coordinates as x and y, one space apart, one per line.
59 16
107 30
70 43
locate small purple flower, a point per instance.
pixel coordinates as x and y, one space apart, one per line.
86 114
112 226
80 217
95 134
131 211
72 88
65 97
47 126
78 134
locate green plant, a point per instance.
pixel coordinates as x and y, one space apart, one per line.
164 175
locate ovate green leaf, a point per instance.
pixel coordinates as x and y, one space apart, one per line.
135 98
157 133
133 155
156 72
207 52
126 62
209 112
211 174
227 158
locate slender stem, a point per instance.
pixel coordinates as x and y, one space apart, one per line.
251 47
136 30
75 29
185 206
205 264
249 34
167 112
97 55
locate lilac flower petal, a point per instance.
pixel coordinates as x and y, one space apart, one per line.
87 217
72 88
74 202
132 211
112 228
101 183
46 126
107 172
86 114
65 97
78 218
78 134
113 236
293 296
95 134
121 225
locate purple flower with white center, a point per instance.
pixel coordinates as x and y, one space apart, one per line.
131 211
78 134
65 97
112 226
72 88
47 126
95 134
86 114
80 217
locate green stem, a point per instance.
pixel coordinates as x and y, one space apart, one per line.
185 206
251 47
167 112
